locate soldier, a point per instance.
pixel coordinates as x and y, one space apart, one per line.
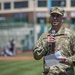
65 43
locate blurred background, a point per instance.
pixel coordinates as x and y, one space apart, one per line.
26 20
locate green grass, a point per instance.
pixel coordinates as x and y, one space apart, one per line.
26 67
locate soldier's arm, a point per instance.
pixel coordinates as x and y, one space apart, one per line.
71 53
72 47
40 49
71 59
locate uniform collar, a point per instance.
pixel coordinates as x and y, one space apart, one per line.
61 30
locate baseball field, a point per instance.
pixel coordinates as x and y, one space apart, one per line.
21 64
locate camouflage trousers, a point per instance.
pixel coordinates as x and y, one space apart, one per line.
60 69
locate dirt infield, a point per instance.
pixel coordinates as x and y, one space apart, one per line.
17 57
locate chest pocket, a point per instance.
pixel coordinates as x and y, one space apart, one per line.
62 43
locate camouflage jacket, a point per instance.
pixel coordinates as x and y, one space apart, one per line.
65 43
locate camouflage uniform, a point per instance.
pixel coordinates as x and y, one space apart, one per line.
65 43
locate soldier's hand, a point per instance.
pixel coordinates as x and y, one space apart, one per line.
64 60
51 38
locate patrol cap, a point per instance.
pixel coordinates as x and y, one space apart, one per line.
57 10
